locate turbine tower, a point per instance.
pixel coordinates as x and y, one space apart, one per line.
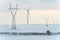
13 13
28 14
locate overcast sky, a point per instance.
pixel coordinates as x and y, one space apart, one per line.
49 9
32 4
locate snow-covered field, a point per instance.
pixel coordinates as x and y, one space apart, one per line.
56 37
30 28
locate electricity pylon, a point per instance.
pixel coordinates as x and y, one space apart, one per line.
28 14
48 31
13 13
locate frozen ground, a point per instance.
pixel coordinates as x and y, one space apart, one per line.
30 28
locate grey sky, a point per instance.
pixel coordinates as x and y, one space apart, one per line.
33 4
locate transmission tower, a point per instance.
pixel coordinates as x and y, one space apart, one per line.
13 13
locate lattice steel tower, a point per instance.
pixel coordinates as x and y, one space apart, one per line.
13 13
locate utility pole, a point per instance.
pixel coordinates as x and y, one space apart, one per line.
28 16
13 13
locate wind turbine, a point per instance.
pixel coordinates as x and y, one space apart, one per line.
13 13
28 14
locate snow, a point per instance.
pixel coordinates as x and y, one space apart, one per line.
30 28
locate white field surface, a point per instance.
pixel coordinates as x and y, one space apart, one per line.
30 28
